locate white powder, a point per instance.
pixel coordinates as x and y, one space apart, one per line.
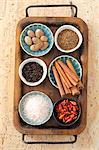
36 108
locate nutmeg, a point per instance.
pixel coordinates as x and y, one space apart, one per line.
28 40
39 33
44 38
45 45
30 33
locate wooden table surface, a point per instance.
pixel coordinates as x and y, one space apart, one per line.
11 11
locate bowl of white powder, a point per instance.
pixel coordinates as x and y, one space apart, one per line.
35 108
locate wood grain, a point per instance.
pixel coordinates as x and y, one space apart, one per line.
50 127
13 11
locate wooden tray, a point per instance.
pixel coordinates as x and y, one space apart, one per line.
20 89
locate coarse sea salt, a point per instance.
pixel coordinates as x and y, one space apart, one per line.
36 108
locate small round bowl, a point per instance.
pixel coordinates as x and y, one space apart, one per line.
73 29
63 58
62 123
23 102
40 62
33 27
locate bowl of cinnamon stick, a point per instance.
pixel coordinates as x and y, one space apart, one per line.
65 73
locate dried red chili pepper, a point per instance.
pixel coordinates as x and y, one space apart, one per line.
67 111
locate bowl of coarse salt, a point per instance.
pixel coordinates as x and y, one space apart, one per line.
35 108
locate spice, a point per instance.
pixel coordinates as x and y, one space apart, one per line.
32 72
67 39
67 111
36 108
36 40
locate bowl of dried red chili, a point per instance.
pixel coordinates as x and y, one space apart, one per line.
67 112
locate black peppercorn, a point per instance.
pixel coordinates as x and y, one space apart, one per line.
32 72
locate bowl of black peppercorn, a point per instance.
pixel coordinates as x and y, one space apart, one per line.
33 71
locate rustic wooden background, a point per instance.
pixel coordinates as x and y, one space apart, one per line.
11 11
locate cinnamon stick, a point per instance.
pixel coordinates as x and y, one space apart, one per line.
68 71
63 75
71 80
70 65
59 84
80 85
75 90
67 91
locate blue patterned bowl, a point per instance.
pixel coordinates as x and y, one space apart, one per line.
24 102
63 58
47 33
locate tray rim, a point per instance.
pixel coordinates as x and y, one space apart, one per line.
54 131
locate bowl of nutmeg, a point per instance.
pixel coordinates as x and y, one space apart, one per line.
68 38
36 39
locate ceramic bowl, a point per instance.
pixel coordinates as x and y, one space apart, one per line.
40 62
63 58
70 27
47 33
22 109
55 113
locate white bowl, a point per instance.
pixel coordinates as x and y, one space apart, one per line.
73 29
40 62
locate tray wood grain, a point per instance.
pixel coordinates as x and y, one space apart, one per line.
20 88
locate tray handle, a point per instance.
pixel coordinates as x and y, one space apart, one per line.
47 142
74 14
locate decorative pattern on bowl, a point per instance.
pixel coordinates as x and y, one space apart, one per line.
47 33
63 58
23 102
